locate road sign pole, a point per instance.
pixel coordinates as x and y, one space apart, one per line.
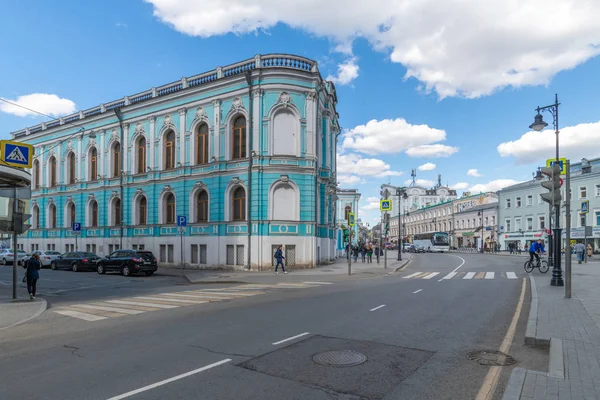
568 231
15 252
181 240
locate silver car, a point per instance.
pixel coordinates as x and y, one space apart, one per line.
47 256
7 256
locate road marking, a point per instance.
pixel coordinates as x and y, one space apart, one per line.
491 379
173 379
143 304
431 275
226 293
293 285
479 275
377 308
511 275
461 264
411 275
195 296
489 275
318 283
417 291
105 308
290 338
422 275
469 275
449 276
158 298
80 315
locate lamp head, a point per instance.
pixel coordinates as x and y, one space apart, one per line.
538 123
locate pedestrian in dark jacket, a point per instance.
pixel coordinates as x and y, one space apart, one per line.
279 257
32 274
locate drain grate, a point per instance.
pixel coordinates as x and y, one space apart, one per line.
340 358
491 357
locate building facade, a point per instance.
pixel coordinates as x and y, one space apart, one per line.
347 202
476 224
524 217
245 152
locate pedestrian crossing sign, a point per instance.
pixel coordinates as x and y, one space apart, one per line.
385 205
16 154
585 206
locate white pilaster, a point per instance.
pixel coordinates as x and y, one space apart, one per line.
101 153
42 167
125 149
310 123
80 164
59 161
217 129
182 130
256 119
152 148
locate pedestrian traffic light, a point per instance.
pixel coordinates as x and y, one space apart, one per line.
346 235
553 185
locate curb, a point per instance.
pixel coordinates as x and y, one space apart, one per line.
530 333
515 384
557 363
403 266
41 309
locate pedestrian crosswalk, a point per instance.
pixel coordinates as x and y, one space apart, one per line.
101 310
461 275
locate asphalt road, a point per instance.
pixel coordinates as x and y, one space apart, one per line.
416 344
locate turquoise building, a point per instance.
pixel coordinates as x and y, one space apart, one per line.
246 153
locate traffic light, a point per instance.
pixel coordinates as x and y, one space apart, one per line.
553 185
19 220
346 235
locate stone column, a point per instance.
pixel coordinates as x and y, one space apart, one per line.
217 129
151 149
182 130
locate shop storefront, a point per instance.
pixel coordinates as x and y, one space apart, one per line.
578 235
521 240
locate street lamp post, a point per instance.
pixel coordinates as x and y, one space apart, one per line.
401 193
538 125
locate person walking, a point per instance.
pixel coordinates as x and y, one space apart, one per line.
580 251
279 257
370 253
590 250
363 252
32 274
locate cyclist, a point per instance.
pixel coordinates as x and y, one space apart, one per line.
535 249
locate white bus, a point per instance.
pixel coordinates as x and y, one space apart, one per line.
434 242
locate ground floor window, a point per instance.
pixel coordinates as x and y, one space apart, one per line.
235 254
166 253
51 246
69 248
91 248
289 252
138 247
34 247
113 247
198 254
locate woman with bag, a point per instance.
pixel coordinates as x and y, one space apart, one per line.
32 274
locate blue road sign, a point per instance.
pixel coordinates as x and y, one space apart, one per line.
16 154
181 220
76 227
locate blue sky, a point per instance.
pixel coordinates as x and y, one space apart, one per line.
443 86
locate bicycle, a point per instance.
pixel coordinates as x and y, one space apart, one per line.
540 264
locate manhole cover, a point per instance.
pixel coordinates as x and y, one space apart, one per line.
493 357
340 358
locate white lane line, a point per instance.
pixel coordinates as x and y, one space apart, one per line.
226 293
195 296
112 309
469 275
449 276
411 275
290 338
318 283
80 315
511 275
417 291
139 303
168 300
489 275
377 308
173 379
461 264
431 275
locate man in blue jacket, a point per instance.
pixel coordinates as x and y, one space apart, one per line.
279 257
535 249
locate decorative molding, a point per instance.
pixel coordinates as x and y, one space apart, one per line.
284 99
91 197
167 188
257 92
70 199
284 178
139 192
237 104
139 129
34 203
200 113
311 95
167 122
200 185
182 111
50 200
216 103
114 195
326 113
236 181
152 118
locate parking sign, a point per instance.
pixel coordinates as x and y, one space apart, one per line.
76 227
181 220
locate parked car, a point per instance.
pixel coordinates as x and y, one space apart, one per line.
416 249
76 261
7 256
46 256
128 262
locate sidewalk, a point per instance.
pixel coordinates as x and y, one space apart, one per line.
571 328
16 312
335 271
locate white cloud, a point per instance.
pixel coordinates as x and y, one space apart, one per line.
372 204
427 167
473 172
454 47
390 136
576 142
420 182
492 186
348 179
459 186
49 104
432 150
121 25
346 73
353 164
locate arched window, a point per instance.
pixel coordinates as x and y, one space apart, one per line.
238 138
142 211
116 160
93 164
284 203
71 168
238 204
116 212
169 150
285 133
71 214
51 216
93 213
36 174
169 208
202 144
347 211
141 155
52 165
36 217
202 206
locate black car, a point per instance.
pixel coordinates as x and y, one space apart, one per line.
128 262
76 261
